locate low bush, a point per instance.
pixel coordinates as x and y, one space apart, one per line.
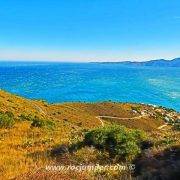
136 108
176 126
37 122
24 117
116 140
6 120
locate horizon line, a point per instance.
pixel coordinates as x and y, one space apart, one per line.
78 61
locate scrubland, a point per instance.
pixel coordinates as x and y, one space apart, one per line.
35 134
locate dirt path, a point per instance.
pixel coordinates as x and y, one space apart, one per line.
137 117
99 117
69 107
38 108
113 117
102 123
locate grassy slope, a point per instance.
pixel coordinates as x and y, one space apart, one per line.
23 148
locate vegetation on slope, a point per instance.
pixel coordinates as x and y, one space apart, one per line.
34 134
6 120
117 141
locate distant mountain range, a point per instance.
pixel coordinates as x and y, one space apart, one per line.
155 63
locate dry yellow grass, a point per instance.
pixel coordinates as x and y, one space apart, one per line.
24 148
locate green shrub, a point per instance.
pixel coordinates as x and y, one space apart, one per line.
167 140
176 126
136 108
37 122
116 140
10 114
6 120
24 117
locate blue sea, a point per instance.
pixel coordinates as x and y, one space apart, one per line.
92 82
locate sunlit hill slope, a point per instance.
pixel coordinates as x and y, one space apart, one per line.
33 132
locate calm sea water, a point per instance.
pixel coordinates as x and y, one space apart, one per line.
91 82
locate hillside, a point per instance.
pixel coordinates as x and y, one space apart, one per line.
158 63
154 63
30 130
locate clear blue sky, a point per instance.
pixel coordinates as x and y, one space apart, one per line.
89 30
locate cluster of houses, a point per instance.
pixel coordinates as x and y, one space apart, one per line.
169 116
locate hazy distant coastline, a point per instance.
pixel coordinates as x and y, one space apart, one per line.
155 63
